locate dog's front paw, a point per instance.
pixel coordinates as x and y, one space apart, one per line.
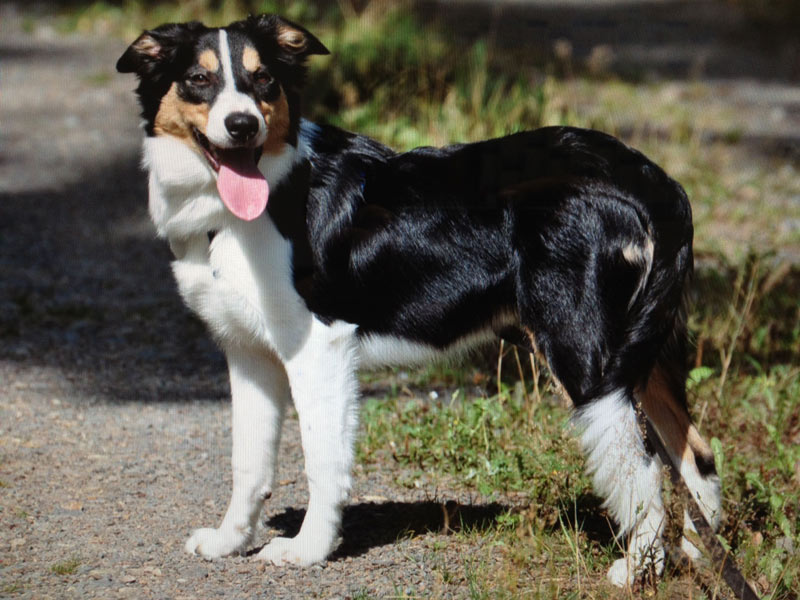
621 574
215 543
296 551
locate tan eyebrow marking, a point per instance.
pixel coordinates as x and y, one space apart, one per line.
250 59
208 60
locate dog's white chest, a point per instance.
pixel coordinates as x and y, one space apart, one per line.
241 285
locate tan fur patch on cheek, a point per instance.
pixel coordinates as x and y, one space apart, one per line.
276 115
176 117
208 60
250 59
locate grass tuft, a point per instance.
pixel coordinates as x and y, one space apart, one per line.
67 567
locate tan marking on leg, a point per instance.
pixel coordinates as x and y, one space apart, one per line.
699 446
176 117
208 60
637 254
640 255
250 59
276 115
672 421
633 253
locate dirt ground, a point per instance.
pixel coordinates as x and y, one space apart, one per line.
114 436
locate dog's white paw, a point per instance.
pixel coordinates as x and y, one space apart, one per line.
620 573
692 551
215 543
623 572
295 551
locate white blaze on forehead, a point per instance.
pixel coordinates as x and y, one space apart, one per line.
227 64
230 100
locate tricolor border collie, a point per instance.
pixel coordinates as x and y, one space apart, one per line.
310 251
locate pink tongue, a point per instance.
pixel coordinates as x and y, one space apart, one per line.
241 185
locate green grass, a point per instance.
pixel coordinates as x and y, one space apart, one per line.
490 443
745 391
67 567
508 436
11 588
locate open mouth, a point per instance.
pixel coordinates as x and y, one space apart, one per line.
217 156
242 187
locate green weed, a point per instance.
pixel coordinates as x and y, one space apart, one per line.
11 588
67 567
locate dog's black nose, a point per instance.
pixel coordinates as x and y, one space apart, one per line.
241 126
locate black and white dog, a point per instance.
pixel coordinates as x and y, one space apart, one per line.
310 252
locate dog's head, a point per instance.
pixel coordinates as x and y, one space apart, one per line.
230 94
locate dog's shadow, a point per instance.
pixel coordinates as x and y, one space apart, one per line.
371 525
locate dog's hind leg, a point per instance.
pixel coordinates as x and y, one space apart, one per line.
629 477
259 391
324 386
665 406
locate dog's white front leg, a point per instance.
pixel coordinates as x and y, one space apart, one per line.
324 388
259 391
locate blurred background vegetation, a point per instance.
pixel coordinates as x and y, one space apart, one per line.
409 79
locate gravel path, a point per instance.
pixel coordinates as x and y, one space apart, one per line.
114 438
117 486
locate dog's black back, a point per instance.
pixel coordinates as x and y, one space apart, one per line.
434 244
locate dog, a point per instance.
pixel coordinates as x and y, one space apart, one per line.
310 251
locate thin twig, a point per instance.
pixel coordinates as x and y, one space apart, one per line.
743 314
500 370
522 377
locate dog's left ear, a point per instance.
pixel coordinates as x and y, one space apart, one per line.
297 41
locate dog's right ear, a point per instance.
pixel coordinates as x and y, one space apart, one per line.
156 48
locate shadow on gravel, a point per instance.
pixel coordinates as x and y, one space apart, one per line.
369 525
86 287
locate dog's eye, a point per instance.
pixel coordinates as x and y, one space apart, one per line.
262 77
199 79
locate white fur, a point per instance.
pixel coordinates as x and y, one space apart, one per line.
231 100
324 388
381 350
708 493
275 167
628 478
260 392
241 286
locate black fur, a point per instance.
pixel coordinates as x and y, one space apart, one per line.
431 244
